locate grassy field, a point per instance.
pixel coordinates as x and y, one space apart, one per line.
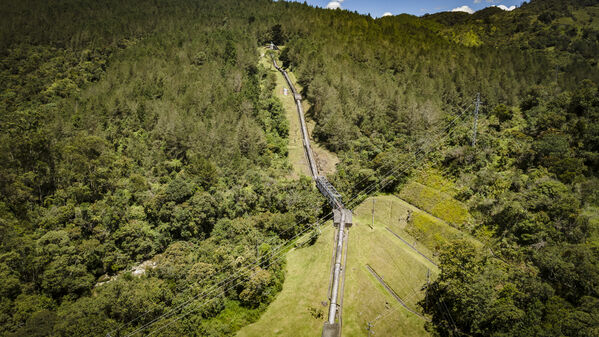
424 229
437 203
434 178
300 309
325 160
402 268
296 310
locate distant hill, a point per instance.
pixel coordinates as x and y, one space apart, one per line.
136 133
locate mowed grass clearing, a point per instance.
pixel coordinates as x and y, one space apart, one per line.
402 268
296 155
439 204
301 308
295 310
325 159
424 229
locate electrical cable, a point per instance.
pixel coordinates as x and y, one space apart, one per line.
223 283
185 314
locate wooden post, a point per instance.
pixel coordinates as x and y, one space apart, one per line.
428 276
372 226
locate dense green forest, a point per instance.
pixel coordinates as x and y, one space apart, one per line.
134 130
129 130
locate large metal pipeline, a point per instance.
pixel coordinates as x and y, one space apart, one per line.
309 154
300 112
330 328
337 270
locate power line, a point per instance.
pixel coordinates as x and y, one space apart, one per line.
386 313
188 284
188 312
405 166
370 190
437 124
203 304
171 312
223 283
475 120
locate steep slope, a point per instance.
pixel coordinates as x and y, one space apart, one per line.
132 130
403 263
325 160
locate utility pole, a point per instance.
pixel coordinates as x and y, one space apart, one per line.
428 276
476 120
372 226
370 332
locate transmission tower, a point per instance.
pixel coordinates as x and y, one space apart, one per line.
475 120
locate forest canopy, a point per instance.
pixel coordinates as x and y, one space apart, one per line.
135 131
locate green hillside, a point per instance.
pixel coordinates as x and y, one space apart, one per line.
151 180
436 203
398 261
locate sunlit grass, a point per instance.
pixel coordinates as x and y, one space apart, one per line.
437 203
307 278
